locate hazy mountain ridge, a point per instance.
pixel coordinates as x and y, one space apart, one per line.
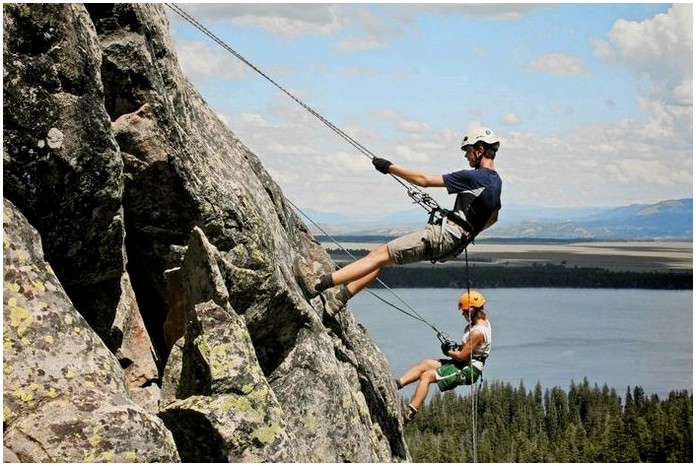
668 219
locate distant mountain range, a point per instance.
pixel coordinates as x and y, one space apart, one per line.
665 220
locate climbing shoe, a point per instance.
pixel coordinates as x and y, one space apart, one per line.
409 413
307 278
334 300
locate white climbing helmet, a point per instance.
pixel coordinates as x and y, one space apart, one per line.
485 135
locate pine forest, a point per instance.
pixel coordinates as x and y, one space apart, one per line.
583 424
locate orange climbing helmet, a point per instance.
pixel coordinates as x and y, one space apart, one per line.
471 299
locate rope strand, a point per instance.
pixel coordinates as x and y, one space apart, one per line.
413 313
419 196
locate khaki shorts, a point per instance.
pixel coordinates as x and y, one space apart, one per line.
433 243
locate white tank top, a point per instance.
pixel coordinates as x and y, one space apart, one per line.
481 352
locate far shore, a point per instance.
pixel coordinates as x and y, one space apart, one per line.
637 256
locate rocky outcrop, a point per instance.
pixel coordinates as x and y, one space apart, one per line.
64 393
175 247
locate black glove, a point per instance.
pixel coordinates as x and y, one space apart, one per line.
448 346
382 165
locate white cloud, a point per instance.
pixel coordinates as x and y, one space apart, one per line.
284 19
559 64
660 48
245 119
412 126
596 165
510 119
648 154
356 44
198 61
490 11
358 72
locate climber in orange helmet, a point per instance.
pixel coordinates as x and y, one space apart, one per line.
464 363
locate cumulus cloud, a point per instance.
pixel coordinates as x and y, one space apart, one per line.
636 157
357 44
413 126
559 64
490 11
584 166
198 62
660 48
284 19
510 119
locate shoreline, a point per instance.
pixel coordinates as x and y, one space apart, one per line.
629 256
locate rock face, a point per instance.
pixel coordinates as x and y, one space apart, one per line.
64 393
170 249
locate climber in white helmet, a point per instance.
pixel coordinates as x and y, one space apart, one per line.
475 208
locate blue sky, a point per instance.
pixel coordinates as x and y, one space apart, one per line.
593 102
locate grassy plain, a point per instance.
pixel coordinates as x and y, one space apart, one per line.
635 256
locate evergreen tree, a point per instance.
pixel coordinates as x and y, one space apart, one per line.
586 424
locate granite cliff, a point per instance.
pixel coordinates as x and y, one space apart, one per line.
150 311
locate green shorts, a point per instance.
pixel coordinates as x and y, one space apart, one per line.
449 376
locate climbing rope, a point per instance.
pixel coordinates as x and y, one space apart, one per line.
442 336
472 388
418 196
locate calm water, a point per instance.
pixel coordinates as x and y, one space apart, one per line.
554 336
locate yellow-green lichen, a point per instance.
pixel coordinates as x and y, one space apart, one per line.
95 440
7 344
346 401
13 287
23 395
20 318
267 434
237 403
38 284
310 423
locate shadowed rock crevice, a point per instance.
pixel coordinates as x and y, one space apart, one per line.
158 216
195 436
275 336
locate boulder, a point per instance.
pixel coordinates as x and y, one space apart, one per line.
64 393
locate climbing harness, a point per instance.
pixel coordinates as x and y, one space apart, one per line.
418 196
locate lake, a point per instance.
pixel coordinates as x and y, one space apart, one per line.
554 336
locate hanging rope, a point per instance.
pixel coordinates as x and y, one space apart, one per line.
419 196
442 336
472 388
